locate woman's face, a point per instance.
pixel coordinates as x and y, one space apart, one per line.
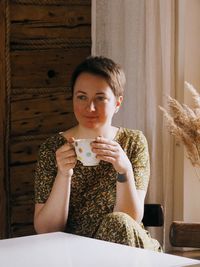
94 101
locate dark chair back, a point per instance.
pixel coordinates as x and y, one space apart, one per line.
153 215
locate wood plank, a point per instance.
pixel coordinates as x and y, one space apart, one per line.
52 2
45 68
41 44
24 151
22 214
58 21
3 153
43 124
39 114
184 234
22 229
22 200
22 183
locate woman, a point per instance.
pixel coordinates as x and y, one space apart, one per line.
104 201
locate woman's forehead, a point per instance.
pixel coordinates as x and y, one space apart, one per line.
93 83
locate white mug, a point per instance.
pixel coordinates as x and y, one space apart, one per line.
84 152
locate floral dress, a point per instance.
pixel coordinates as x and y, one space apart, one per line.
93 191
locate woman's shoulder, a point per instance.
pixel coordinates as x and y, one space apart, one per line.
53 142
130 133
131 137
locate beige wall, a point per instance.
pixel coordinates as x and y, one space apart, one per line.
192 75
187 184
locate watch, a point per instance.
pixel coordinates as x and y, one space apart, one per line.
121 178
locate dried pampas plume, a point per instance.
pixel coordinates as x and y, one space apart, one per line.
183 122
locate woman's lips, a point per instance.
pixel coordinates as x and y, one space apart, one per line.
91 117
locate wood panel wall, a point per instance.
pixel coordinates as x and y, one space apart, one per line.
3 111
47 39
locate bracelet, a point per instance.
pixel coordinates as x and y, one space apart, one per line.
121 178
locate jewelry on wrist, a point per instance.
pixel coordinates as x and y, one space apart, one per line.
121 178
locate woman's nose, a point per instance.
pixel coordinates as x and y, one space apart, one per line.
91 106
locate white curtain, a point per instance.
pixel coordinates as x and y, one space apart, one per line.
139 34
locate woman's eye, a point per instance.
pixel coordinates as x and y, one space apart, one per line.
101 98
81 97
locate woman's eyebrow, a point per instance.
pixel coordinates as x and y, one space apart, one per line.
100 93
80 92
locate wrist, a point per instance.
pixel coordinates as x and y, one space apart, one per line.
125 176
63 177
121 178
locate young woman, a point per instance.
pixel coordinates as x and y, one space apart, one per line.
104 201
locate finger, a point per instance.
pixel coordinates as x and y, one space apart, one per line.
70 140
62 157
70 160
101 152
106 158
68 153
63 160
67 163
65 155
65 147
104 140
68 166
104 146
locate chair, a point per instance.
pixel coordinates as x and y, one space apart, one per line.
153 215
185 235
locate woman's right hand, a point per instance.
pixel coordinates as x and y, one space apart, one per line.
66 159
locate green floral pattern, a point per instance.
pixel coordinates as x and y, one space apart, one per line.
93 188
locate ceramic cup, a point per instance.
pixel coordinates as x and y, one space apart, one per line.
84 152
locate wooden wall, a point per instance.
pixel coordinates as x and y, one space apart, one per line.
3 110
47 39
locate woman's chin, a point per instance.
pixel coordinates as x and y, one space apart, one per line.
92 125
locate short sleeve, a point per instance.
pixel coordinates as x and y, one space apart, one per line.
140 161
45 171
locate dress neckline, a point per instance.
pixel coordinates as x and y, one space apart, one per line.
117 134
114 139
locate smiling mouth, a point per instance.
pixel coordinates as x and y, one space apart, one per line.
91 118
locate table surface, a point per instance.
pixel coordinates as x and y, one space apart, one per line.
67 250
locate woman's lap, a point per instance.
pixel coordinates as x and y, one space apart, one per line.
118 227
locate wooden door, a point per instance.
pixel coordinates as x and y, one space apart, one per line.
41 41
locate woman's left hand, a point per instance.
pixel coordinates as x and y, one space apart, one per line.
111 151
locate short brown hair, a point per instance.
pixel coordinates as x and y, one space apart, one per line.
104 67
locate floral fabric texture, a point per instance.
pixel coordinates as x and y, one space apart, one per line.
93 191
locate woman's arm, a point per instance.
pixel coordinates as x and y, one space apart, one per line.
128 199
52 215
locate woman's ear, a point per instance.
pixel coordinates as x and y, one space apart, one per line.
118 103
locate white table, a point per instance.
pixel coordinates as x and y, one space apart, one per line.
66 250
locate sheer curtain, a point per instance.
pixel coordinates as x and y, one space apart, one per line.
139 34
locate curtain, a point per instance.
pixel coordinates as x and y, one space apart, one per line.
139 34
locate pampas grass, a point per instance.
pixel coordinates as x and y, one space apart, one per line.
183 122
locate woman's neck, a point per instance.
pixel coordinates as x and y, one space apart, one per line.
107 131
